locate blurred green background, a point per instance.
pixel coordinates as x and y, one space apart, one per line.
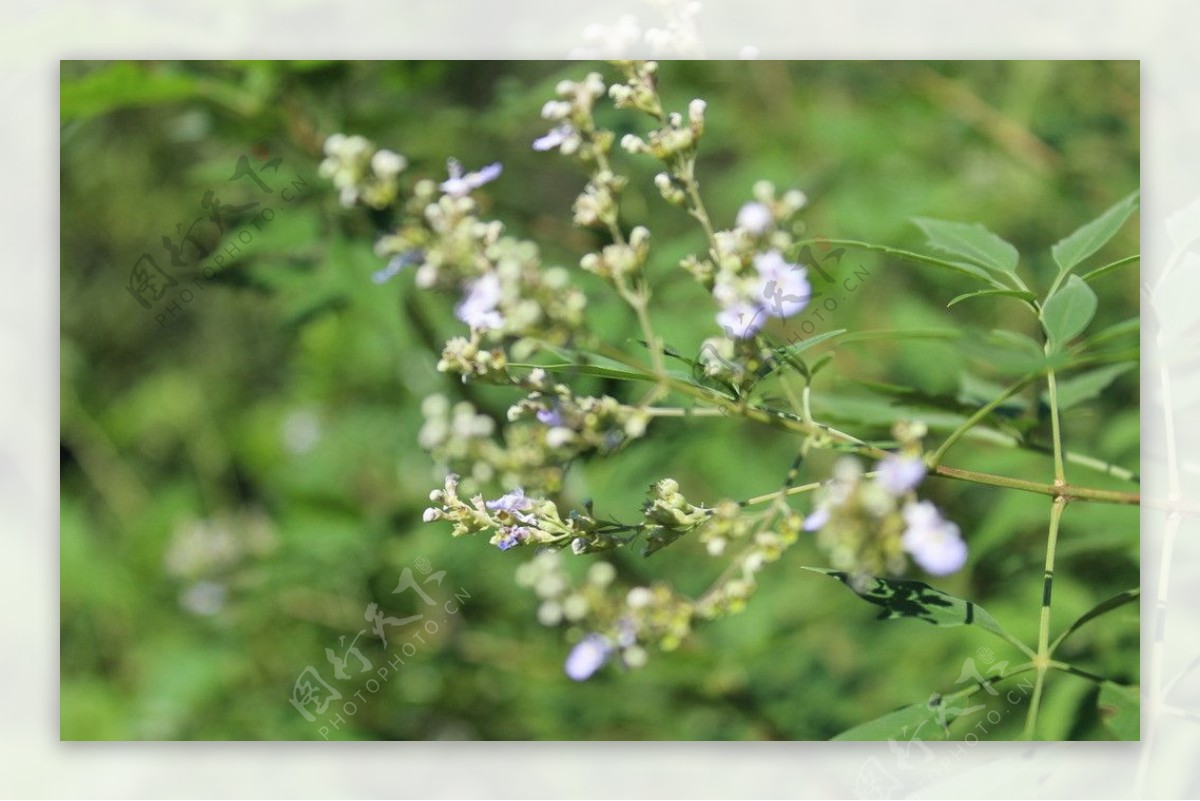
239 482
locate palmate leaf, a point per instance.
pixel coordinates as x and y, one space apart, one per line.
917 600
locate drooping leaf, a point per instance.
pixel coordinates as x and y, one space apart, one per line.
1020 294
1120 710
1086 386
1068 311
1093 236
914 599
970 241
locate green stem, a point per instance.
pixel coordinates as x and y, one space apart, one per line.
1056 491
1042 660
1059 474
974 419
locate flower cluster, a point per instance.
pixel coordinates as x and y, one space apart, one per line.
503 289
606 626
867 525
572 425
518 519
361 172
211 554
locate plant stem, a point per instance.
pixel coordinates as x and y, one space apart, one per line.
1057 491
683 411
981 413
1042 660
1060 477
771 496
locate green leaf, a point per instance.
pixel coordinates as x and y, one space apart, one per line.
1100 272
1093 236
621 373
909 333
970 241
797 348
1086 386
121 84
917 600
906 723
1011 293
1104 607
1120 709
1131 326
1068 311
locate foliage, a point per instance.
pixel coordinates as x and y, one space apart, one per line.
240 478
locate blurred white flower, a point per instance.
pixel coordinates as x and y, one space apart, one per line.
934 543
900 474
478 308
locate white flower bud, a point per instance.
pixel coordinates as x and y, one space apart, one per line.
431 515
634 656
696 111
716 546
795 200
633 143
388 164
764 191
575 607
556 109
550 613
558 437
639 597
601 574
754 217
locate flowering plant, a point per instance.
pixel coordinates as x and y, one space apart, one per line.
526 327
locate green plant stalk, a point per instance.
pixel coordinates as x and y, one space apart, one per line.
1042 659
974 419
1060 477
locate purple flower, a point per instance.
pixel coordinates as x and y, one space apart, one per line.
741 320
511 536
900 474
588 656
554 138
511 502
935 543
785 286
478 308
460 185
397 264
550 417
818 518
